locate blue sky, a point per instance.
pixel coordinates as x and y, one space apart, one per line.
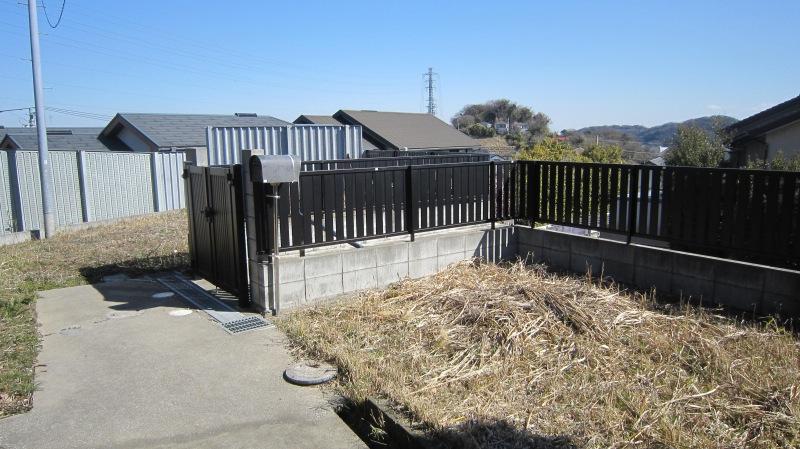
581 62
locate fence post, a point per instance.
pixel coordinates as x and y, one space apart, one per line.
155 181
533 177
633 203
411 215
83 186
492 194
17 203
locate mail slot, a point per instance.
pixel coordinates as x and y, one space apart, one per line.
274 169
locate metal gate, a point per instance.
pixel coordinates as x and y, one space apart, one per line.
216 227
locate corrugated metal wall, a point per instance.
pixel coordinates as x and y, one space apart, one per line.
66 188
88 186
118 185
309 142
167 170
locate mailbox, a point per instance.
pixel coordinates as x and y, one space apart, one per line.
274 169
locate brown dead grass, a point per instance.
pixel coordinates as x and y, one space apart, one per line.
133 246
492 356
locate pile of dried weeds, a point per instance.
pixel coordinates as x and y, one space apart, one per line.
516 356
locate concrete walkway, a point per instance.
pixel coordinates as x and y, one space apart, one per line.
117 370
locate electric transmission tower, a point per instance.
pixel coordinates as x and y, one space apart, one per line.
431 79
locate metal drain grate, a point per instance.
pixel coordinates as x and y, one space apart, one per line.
245 324
231 320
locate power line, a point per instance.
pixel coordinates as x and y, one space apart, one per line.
81 114
15 109
60 15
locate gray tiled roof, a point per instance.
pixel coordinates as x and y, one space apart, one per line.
407 130
60 139
306 119
184 130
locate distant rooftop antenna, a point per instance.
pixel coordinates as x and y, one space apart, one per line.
430 85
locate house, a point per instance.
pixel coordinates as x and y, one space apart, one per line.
501 127
86 139
407 131
165 132
764 135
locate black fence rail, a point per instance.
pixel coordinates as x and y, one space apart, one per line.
329 207
746 214
404 153
400 161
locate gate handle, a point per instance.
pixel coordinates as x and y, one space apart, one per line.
208 212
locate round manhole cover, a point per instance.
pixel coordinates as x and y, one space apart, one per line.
309 373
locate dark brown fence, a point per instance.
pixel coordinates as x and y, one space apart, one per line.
401 161
747 214
342 206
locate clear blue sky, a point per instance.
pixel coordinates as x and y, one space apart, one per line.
581 62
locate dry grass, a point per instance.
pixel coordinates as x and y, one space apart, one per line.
134 246
493 356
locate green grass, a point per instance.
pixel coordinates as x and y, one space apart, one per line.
134 246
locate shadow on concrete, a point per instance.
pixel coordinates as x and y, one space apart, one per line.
153 267
137 267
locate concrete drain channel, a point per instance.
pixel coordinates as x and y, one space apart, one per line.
231 320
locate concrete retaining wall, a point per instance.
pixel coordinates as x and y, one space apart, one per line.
739 285
333 271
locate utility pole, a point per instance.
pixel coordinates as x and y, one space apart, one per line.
41 127
31 118
429 88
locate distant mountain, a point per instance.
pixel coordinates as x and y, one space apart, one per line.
661 134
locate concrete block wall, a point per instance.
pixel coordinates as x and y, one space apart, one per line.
331 272
739 285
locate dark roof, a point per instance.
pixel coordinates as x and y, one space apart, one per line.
316 120
398 130
87 139
766 120
182 130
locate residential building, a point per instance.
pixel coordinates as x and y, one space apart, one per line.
407 131
87 139
501 127
163 132
764 135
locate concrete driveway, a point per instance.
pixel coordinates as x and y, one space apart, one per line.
117 370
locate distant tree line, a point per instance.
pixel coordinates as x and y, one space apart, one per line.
479 120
